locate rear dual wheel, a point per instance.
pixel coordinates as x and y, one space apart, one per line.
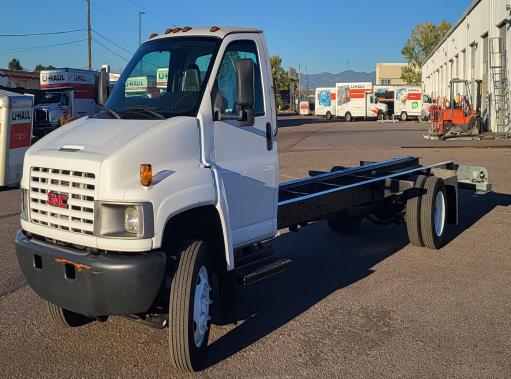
426 213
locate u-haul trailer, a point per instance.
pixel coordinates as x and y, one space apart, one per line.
16 113
357 101
325 103
160 207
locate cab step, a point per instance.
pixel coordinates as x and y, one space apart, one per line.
261 269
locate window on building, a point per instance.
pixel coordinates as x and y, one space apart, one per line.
385 82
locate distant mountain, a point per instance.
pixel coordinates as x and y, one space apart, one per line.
327 79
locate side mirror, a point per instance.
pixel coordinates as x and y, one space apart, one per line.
102 87
244 95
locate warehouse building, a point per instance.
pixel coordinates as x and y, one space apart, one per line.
477 48
389 74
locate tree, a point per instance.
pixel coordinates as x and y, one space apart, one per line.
15 64
41 67
280 79
423 40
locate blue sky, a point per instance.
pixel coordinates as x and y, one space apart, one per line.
323 38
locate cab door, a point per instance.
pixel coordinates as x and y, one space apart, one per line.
245 155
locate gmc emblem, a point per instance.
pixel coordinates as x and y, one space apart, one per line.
58 200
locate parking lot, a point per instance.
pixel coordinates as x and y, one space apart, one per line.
363 305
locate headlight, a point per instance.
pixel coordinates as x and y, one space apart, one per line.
132 220
24 204
118 220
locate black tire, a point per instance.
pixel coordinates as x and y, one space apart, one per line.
185 353
342 222
475 126
379 116
413 213
348 117
328 115
64 318
403 116
433 232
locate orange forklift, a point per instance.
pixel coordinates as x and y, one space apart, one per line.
458 117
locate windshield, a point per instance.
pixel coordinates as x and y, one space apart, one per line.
51 98
167 76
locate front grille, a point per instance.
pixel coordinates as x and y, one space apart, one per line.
79 187
41 115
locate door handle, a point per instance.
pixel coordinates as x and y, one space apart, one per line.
269 137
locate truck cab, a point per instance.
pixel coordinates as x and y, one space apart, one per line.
53 105
110 200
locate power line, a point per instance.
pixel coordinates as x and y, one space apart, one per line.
35 48
96 5
43 33
112 51
112 42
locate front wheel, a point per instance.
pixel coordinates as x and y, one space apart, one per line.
189 307
348 117
65 318
328 116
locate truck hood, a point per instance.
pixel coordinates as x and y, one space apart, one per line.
93 137
50 107
112 151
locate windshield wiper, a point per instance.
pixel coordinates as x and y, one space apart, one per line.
112 112
146 110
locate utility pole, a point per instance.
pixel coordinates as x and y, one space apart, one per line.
348 64
307 73
140 13
89 35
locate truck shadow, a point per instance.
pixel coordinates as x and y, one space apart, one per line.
325 262
299 121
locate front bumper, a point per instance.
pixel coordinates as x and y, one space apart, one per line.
89 284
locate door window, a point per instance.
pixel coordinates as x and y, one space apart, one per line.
226 77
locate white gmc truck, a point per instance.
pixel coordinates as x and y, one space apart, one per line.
163 203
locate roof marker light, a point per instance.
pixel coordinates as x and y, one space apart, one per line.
168 30
186 28
176 30
152 35
214 29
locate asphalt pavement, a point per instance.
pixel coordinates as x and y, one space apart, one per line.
365 305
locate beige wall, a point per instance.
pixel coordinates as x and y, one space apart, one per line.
386 72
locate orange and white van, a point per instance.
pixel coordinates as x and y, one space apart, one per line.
357 100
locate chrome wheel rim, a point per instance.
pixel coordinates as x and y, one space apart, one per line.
201 305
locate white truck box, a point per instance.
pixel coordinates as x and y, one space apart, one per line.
325 103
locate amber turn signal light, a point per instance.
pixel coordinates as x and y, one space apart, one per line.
146 174
214 29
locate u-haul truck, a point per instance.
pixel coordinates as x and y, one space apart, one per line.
325 102
357 100
69 92
144 86
15 134
410 102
